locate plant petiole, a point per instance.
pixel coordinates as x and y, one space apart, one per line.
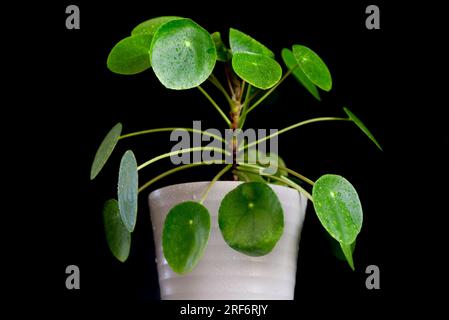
218 176
293 126
293 173
176 152
281 179
138 133
261 99
169 172
215 105
220 87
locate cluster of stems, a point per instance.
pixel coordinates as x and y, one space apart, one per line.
239 96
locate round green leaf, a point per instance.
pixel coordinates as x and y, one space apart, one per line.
117 236
251 219
150 26
241 42
185 235
222 51
290 62
183 54
313 67
128 190
104 151
130 55
338 207
361 126
258 70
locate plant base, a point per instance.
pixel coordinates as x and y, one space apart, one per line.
223 273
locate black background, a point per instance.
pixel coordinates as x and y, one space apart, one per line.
73 100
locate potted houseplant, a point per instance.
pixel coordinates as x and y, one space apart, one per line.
225 239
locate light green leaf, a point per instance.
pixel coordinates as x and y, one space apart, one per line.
361 126
149 27
128 190
117 236
130 55
313 67
338 207
348 250
241 42
104 151
222 51
185 235
336 247
290 62
183 54
258 70
251 219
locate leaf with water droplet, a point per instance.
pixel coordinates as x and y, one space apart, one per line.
260 71
361 126
105 150
150 26
130 55
183 54
313 67
117 236
241 42
127 190
185 235
251 219
338 207
290 62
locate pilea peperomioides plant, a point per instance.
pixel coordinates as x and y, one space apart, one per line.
183 55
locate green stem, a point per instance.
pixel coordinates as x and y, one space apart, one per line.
218 176
269 92
297 175
169 172
138 133
295 186
215 105
245 106
296 125
293 173
220 87
282 179
173 153
242 89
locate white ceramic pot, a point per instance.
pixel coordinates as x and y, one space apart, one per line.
223 273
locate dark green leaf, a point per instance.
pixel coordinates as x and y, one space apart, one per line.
222 51
118 237
251 219
185 236
150 26
256 69
313 67
241 42
290 62
128 190
104 151
362 127
183 54
131 55
338 207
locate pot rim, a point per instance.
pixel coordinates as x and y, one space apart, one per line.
162 189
